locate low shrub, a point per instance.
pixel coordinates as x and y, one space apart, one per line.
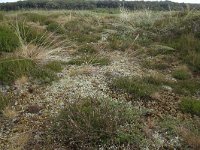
55 27
55 66
189 105
94 60
187 87
3 102
13 68
8 39
1 17
182 73
43 75
37 18
133 86
93 124
82 31
160 49
87 49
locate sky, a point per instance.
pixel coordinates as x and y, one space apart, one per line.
185 1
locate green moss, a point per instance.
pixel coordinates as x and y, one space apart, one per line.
189 105
8 39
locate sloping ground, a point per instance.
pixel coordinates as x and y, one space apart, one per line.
111 58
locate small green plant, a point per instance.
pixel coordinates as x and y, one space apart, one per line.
87 49
98 123
55 27
133 86
182 73
94 60
189 105
55 66
8 39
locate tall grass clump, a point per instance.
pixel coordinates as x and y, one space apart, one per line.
8 39
98 123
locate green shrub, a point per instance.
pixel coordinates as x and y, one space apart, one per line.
181 73
55 66
189 105
8 39
88 49
94 60
55 27
133 86
92 123
13 68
